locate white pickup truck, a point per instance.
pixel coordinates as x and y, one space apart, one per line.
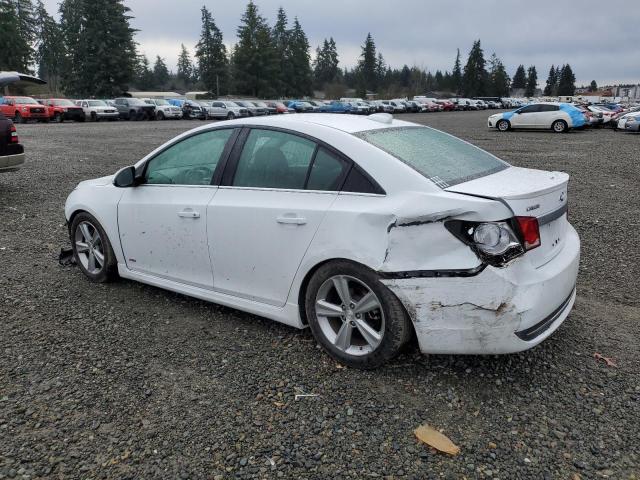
95 110
164 110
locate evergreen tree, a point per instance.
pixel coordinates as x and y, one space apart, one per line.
27 29
325 65
160 72
144 77
474 79
18 56
566 82
50 49
456 75
520 78
100 52
381 69
185 66
281 42
255 62
593 86
299 60
211 55
498 78
367 67
552 83
532 82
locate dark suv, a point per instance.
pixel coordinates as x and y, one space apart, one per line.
135 109
11 152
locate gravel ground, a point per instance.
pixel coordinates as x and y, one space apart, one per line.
128 381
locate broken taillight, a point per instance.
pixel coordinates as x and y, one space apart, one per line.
14 135
530 232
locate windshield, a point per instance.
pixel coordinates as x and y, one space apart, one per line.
136 101
26 101
97 103
260 104
442 158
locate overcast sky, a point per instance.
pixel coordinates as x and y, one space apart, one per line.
599 39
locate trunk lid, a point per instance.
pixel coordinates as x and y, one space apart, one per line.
529 193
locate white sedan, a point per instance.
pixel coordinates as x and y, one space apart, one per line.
369 230
559 117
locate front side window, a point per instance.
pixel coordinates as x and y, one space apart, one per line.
530 109
191 161
440 157
272 159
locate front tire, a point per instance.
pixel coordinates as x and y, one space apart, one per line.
160 116
503 125
18 118
91 249
354 316
559 126
231 116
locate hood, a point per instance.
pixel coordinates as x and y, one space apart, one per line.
97 182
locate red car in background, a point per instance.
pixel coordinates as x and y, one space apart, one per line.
447 106
23 109
61 109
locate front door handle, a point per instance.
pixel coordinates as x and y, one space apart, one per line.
189 213
291 220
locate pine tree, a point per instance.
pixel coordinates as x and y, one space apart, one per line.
552 83
25 20
532 82
567 81
255 63
301 77
593 86
498 78
474 79
100 53
520 78
50 49
456 75
367 71
18 56
144 77
211 54
160 72
281 42
185 66
325 65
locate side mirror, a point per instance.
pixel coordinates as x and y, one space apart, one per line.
125 177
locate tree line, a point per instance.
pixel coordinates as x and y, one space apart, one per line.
91 51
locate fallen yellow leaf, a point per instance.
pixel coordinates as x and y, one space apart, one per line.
437 440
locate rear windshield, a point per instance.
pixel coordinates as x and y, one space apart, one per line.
442 158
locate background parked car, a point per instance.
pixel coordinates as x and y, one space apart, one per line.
96 110
559 117
164 110
22 109
300 106
134 109
61 109
191 110
226 110
270 110
336 107
629 122
251 108
280 107
11 152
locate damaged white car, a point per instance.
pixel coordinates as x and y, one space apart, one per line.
369 230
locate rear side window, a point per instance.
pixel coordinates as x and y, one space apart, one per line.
440 157
549 108
530 109
272 159
326 171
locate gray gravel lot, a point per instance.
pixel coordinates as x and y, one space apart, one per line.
128 381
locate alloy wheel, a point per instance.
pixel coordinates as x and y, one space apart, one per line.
89 247
350 315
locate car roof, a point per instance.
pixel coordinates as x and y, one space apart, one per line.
345 123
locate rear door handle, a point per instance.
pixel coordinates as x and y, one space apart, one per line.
189 213
291 220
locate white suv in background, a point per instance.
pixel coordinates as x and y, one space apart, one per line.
225 109
164 110
95 110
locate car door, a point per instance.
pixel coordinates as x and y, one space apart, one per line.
526 117
276 192
547 115
219 109
163 221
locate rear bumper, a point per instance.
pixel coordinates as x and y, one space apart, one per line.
500 310
9 163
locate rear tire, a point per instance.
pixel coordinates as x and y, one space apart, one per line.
559 126
364 325
503 125
91 249
18 118
57 117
